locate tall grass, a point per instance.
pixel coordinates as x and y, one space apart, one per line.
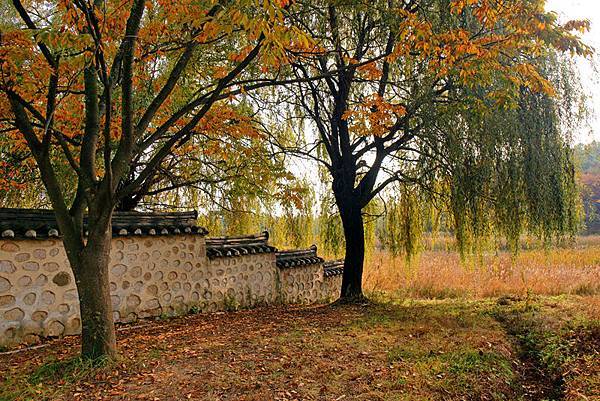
440 273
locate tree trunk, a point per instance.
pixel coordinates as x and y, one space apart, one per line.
98 338
354 234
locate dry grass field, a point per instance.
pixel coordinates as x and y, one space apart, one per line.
439 274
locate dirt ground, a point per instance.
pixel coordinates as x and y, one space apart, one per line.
409 350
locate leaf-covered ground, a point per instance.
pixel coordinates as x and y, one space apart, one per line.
409 350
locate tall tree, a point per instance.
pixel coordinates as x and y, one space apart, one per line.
398 78
111 89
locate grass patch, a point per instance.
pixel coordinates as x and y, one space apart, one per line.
561 341
48 380
70 370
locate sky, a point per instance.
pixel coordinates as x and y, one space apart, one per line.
585 9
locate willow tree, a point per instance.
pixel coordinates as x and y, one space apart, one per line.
405 85
110 87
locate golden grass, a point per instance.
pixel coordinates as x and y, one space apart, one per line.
441 274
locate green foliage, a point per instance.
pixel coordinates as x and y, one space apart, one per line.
487 171
587 158
331 233
408 213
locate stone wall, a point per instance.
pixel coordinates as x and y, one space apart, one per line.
150 275
331 287
37 291
242 281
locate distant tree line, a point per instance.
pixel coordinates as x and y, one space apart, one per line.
588 160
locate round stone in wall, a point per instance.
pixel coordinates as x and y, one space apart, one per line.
48 297
73 325
22 257
119 270
31 266
6 300
5 285
15 314
152 289
10 247
6 266
133 301
39 316
39 254
23 281
119 256
135 272
64 308
41 280
30 298
153 303
51 266
62 279
55 328
54 251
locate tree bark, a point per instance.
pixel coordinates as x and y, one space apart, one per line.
354 234
98 338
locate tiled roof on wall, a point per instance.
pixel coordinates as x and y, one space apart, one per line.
333 268
38 223
296 258
222 247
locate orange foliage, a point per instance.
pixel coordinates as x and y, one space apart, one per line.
515 30
227 35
